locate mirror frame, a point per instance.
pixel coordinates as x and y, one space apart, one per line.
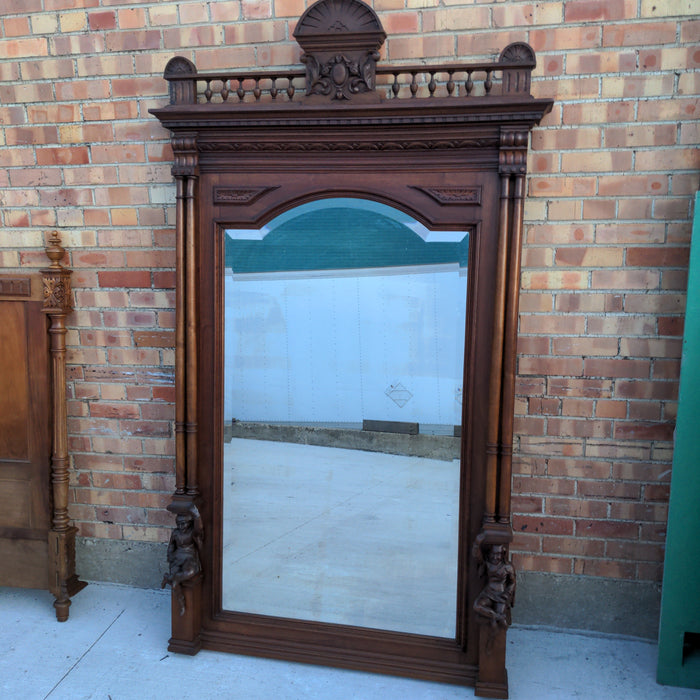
248 147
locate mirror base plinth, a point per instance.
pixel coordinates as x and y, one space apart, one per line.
491 690
492 680
186 637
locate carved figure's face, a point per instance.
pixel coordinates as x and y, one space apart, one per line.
496 554
183 523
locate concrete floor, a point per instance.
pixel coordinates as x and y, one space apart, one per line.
113 647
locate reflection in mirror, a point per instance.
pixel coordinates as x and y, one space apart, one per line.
344 346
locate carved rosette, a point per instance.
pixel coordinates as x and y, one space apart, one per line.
58 298
57 292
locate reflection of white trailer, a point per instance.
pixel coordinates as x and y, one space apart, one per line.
343 310
340 347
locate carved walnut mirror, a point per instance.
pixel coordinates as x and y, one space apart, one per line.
348 261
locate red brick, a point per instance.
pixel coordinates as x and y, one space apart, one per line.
550 366
154 339
577 407
603 112
606 529
585 346
645 410
666 369
164 279
146 428
164 393
573 546
647 390
105 409
637 551
561 38
576 507
605 568
630 185
157 412
556 565
544 525
133 356
625 279
639 34
670 325
644 431
75 155
608 489
110 480
131 41
589 388
596 367
125 278
599 10
642 512
105 338
571 427
98 21
112 258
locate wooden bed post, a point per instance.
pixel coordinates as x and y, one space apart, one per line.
63 582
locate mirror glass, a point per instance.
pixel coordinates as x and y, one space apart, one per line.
344 351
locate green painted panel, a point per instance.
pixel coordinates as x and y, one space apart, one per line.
679 628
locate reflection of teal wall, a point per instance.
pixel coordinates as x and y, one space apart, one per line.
340 237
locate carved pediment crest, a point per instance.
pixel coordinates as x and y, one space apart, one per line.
340 39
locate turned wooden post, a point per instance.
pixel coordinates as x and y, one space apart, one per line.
63 582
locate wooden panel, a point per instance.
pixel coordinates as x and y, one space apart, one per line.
25 439
15 503
14 386
26 563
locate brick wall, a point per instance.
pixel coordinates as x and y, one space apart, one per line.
612 171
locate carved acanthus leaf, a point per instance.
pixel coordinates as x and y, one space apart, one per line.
239 195
453 195
310 146
57 292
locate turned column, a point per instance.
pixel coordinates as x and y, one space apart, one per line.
63 582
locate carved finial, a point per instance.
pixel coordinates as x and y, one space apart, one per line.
518 52
181 75
55 251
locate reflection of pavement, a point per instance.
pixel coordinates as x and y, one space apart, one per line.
342 536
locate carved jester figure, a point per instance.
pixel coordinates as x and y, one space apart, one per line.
497 596
183 553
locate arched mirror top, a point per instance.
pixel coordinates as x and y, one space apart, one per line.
410 214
